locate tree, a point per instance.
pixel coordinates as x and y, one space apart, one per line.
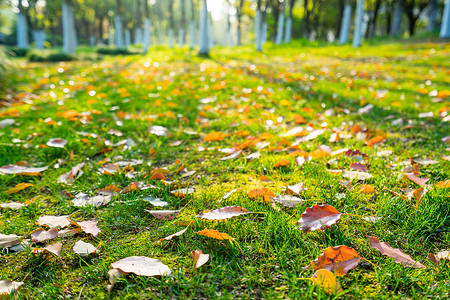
288 33
69 32
182 32
203 31
22 27
258 27
395 28
280 25
445 25
357 36
239 11
373 15
345 27
171 24
413 10
192 27
147 26
118 25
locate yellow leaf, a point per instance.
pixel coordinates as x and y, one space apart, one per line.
367 189
327 281
215 234
18 187
215 136
282 163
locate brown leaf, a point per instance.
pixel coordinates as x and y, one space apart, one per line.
346 184
164 214
327 281
41 236
18 188
168 238
54 249
89 227
7 287
367 189
54 221
418 194
158 176
233 155
199 258
398 255
142 266
420 181
318 217
375 140
282 163
69 177
263 194
358 167
340 260
289 201
295 189
215 136
226 212
21 170
443 184
9 240
57 143
215 234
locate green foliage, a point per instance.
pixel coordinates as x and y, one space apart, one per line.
53 57
115 51
6 70
18 52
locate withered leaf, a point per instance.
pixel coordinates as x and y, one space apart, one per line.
222 213
215 234
179 233
21 170
263 194
9 240
281 163
84 249
89 227
54 221
7 287
318 217
41 236
142 266
199 258
233 155
289 201
164 214
398 255
327 281
19 187
215 136
57 143
295 189
181 193
420 181
12 205
356 174
54 249
69 177
340 260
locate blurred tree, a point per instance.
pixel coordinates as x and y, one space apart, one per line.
413 10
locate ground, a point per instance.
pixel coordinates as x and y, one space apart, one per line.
248 98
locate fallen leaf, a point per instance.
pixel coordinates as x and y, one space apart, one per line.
158 130
69 177
84 249
168 238
418 194
181 193
114 274
82 200
9 240
19 187
21 170
398 255
89 227
233 155
295 189
340 260
288 201
142 266
358 167
375 140
254 155
109 190
282 163
7 287
358 175
155 201
263 194
226 212
264 178
367 189
41 236
327 281
109 169
346 184
443 184
319 153
54 249
57 143
318 217
164 214
199 258
158 176
12 205
215 136
54 221
420 181
215 234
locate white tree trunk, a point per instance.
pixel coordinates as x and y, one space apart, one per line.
181 35
170 35
38 38
345 26
432 15
110 38
264 33
357 36
445 25
146 37
203 31
395 28
138 36
288 32
127 38
69 33
192 34
210 34
279 37
22 31
119 31
258 30
92 41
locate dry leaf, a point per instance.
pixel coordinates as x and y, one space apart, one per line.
263 194
9 240
282 163
295 189
327 281
398 255
164 214
358 167
375 140
84 249
318 217
7 287
69 177
41 236
199 258
358 175
226 212
114 274
12 205
54 249
168 238
21 170
418 194
57 143
54 221
340 260
89 227
82 199
155 201
233 155
181 193
18 187
420 181
367 189
289 201
443 184
158 130
346 184
215 136
254 155
142 266
215 234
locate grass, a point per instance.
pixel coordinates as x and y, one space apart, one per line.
325 85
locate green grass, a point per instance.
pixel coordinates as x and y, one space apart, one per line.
268 254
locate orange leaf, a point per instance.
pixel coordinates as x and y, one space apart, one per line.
68 114
398 255
367 189
18 187
318 217
420 181
327 281
215 234
158 176
282 163
340 259
319 153
443 184
375 140
261 194
215 136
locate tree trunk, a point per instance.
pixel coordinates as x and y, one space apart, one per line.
239 20
340 17
306 18
432 15
280 27
358 23
118 25
395 29
22 28
69 33
445 25
373 27
345 26
203 31
258 30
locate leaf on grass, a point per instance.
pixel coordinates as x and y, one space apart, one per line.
74 173
215 136
398 255
358 167
155 201
54 221
109 190
84 249
109 169
158 130
289 201
214 234
9 240
164 214
19 187
168 238
233 155
89 227
158 176
12 205
318 217
41 236
319 153
340 260
443 184
327 281
295 189
199 258
418 194
356 174
282 163
56 143
346 184
7 287
21 170
142 266
367 189
254 155
82 200
54 249
222 213
114 274
263 194
181 193
375 140
420 181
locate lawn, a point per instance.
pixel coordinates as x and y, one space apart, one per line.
294 121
